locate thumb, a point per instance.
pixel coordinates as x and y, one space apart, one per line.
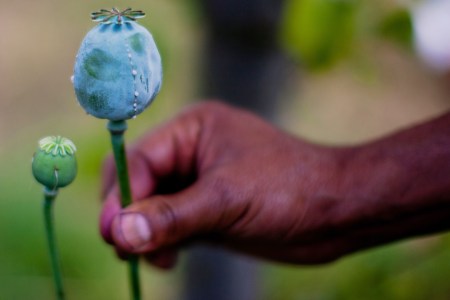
165 220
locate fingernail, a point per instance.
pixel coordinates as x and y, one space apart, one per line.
135 230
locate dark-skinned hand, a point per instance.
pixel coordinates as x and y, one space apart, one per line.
222 176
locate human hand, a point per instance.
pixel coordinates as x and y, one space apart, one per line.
218 175
222 176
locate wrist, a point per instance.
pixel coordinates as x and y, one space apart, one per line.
321 191
379 192
391 189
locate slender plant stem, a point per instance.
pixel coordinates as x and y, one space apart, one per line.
49 197
117 129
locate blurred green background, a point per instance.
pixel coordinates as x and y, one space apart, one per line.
358 78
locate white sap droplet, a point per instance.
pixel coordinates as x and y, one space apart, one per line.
134 117
134 72
72 78
129 55
136 93
135 105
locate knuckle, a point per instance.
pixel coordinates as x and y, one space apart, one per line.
209 111
217 188
221 199
169 218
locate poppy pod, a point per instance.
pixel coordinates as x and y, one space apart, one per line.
54 164
118 68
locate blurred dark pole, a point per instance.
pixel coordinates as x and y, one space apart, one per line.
243 66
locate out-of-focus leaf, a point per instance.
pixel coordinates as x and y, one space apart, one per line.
319 32
397 27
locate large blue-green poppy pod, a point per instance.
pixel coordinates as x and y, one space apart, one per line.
118 68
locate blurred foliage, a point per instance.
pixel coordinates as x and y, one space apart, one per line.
414 270
319 33
397 26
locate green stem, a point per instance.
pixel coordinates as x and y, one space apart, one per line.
117 129
49 197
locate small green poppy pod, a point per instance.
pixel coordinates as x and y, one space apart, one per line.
118 68
54 164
